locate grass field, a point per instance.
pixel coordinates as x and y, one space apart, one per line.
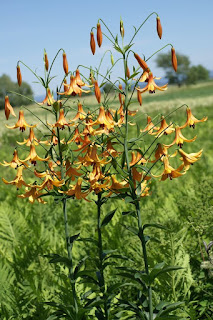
184 205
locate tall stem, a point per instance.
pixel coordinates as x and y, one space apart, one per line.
100 247
145 258
137 204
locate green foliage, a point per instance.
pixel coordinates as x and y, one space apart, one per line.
197 73
6 85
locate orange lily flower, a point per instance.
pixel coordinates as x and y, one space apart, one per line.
191 120
78 80
139 176
152 86
49 100
18 180
86 142
76 137
144 189
8 108
138 159
160 152
72 172
169 171
31 140
110 150
179 138
81 114
15 162
102 120
92 158
32 194
73 88
75 191
21 123
189 158
62 122
50 180
164 128
150 126
33 157
116 185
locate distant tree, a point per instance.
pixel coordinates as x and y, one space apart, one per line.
6 85
180 77
108 88
197 73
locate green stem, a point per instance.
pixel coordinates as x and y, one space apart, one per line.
100 247
143 245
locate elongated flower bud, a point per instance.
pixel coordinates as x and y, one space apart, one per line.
8 108
19 76
159 27
65 63
46 61
112 59
97 92
121 28
139 96
127 72
141 62
99 34
92 42
174 59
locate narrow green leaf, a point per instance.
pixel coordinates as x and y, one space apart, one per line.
108 218
154 225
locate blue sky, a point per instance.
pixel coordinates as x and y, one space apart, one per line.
27 27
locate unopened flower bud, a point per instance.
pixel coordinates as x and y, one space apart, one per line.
97 92
141 62
159 27
121 28
127 72
65 63
46 62
92 42
174 59
99 34
112 59
139 96
19 76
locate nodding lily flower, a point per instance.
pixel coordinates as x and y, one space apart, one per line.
88 130
75 191
96 174
62 122
98 182
138 159
32 140
78 80
179 138
110 150
32 194
164 128
8 108
81 115
50 180
150 126
160 152
191 120
76 137
15 162
21 123
92 158
73 88
52 165
169 171
33 157
102 119
53 139
144 189
139 176
116 185
189 158
49 100
85 143
72 172
152 86
18 180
